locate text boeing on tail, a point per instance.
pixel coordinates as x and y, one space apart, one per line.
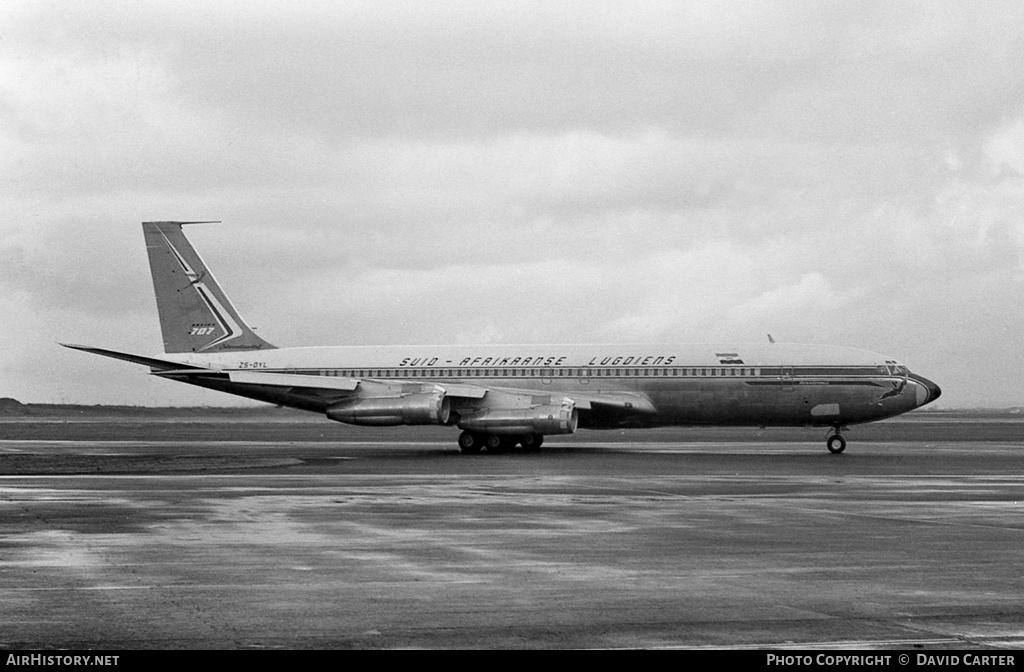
502 396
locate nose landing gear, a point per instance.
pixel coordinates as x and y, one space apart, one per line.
836 443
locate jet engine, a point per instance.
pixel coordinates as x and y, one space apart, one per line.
429 408
547 419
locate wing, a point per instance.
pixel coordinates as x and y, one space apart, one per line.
371 401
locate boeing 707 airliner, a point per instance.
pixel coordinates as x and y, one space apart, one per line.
503 396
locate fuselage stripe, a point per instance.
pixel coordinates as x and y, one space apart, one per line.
753 375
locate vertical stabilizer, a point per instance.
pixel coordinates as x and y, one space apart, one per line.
195 314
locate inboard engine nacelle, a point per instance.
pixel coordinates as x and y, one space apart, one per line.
547 419
429 408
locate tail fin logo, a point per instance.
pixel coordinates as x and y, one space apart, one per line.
223 317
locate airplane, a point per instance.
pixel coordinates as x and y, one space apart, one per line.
507 396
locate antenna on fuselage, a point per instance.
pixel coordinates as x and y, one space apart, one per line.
770 339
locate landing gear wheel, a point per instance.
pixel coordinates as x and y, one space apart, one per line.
470 443
496 444
531 442
836 444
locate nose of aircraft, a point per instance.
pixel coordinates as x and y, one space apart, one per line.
927 391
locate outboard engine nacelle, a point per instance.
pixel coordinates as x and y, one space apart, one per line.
547 419
423 408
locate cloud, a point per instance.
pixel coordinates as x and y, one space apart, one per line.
811 299
339 71
833 172
1006 148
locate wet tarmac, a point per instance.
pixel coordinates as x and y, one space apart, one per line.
601 540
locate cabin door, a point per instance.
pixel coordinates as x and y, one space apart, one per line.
787 378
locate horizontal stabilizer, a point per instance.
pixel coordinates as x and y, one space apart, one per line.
135 359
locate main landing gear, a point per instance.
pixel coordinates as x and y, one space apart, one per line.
836 443
472 442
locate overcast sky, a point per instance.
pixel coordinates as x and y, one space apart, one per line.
847 173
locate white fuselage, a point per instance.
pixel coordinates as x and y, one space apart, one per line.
751 384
